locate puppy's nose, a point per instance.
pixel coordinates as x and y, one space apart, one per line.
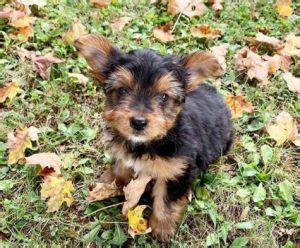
138 122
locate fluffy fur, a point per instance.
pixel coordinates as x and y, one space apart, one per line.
187 124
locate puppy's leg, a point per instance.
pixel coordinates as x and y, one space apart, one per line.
167 212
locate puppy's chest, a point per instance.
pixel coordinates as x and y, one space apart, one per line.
156 167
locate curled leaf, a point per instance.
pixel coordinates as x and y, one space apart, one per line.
74 32
133 192
9 91
42 64
103 191
137 224
100 3
220 52
238 105
17 144
292 82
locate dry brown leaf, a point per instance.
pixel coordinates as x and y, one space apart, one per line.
23 22
137 224
217 4
283 7
189 8
277 62
17 144
133 192
205 31
292 82
220 52
163 33
238 105
120 23
23 53
103 191
42 64
273 42
285 128
46 161
33 133
100 3
74 32
248 60
9 91
57 190
291 46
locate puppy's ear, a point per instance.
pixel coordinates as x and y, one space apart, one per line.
97 51
200 66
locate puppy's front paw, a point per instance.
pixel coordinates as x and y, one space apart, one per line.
162 229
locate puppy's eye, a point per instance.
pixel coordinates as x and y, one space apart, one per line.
164 97
122 91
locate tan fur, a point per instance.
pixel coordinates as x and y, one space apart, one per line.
201 66
157 168
96 50
125 77
164 219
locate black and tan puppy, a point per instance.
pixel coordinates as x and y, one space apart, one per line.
162 121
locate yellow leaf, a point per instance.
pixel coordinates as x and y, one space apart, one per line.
285 128
9 91
17 145
74 32
283 7
23 22
57 191
238 105
137 224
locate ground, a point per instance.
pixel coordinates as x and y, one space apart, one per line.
239 199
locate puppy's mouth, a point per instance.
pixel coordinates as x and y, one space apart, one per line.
138 137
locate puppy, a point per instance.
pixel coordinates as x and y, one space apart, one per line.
162 120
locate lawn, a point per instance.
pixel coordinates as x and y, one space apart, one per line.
249 198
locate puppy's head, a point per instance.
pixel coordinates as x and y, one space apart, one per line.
145 90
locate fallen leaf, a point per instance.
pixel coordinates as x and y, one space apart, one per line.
46 161
42 64
11 14
33 133
163 34
285 128
291 46
283 7
17 144
120 23
205 31
238 105
133 192
100 3
189 8
137 224
25 32
217 5
9 91
23 22
39 3
273 42
103 191
292 82
74 32
79 77
277 62
248 60
220 52
23 53
57 190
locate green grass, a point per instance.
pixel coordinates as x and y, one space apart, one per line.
66 111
